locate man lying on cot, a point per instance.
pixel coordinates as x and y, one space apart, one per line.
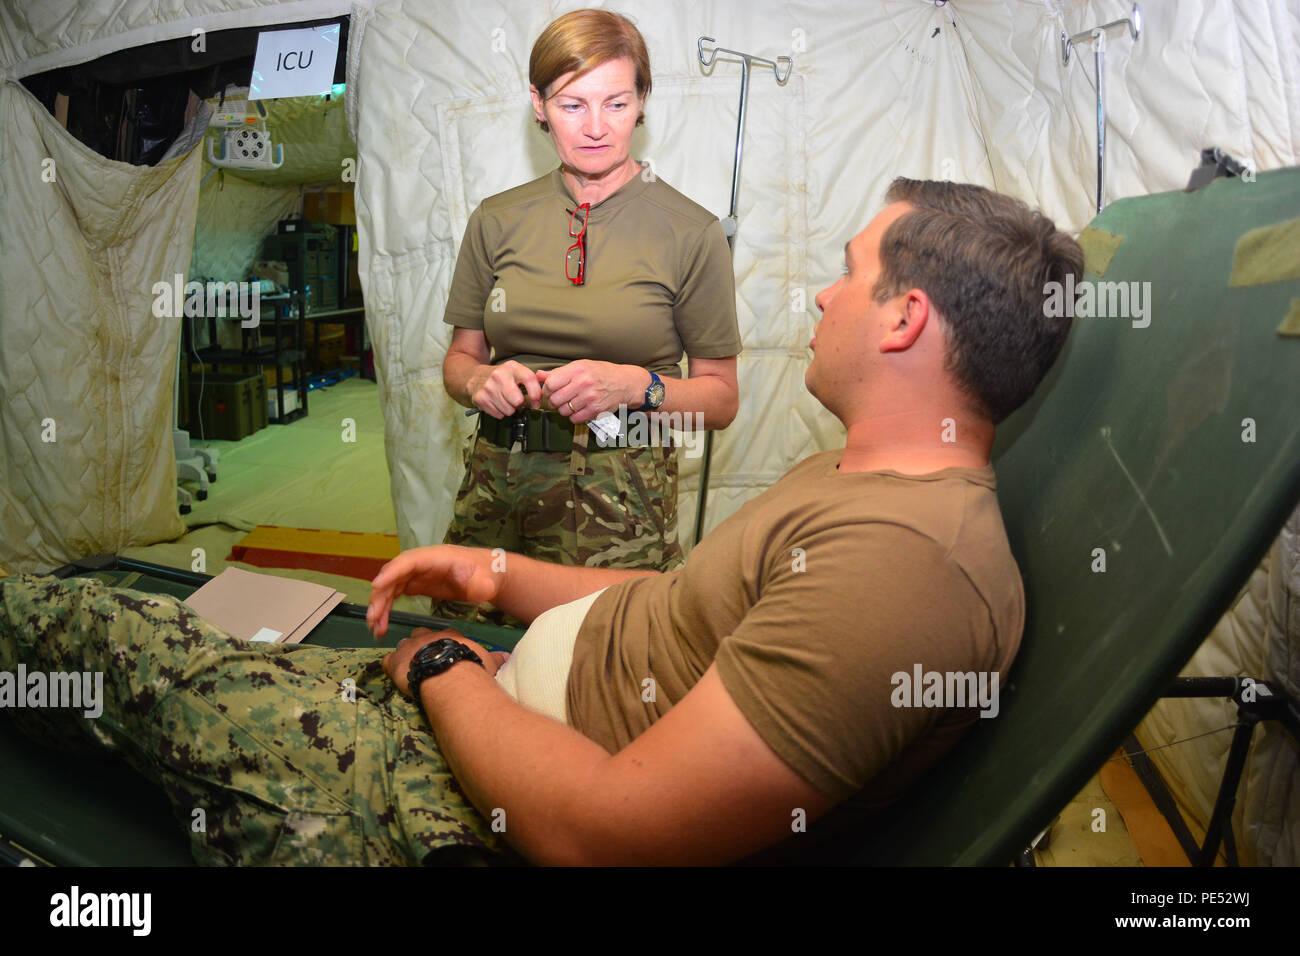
699 716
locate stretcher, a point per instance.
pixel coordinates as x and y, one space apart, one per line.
90 810
1140 487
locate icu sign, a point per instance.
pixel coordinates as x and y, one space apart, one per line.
294 63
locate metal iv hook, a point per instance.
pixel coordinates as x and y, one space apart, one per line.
781 61
1133 23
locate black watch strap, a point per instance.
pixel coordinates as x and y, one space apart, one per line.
434 658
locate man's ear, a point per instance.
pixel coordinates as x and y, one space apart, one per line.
913 311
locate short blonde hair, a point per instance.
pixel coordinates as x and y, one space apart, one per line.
582 40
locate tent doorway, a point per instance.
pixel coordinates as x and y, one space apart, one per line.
280 415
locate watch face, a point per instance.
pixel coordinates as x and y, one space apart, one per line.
655 395
443 652
437 656
430 652
433 659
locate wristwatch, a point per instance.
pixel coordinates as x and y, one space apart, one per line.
654 394
434 658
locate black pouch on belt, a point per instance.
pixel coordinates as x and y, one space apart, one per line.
534 430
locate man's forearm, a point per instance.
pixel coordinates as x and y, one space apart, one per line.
529 586
523 771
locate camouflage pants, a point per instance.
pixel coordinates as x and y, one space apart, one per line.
602 508
287 762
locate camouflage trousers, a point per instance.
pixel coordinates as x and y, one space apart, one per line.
285 754
598 508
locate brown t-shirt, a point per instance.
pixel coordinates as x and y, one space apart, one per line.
810 600
657 281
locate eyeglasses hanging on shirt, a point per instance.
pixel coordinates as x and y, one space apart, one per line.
575 258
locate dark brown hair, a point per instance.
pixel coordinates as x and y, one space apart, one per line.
984 259
582 40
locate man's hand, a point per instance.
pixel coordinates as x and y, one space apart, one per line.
446 572
495 389
398 662
449 572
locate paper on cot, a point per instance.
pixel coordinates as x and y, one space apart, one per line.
262 607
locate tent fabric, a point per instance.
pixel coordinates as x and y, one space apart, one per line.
234 215
86 369
313 132
35 37
1272 813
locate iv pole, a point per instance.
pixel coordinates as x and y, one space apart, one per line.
781 70
1098 34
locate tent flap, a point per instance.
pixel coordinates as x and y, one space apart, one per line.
86 368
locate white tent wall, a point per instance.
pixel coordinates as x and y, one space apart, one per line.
40 35
970 90
1202 74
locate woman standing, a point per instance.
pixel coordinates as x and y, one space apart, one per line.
578 293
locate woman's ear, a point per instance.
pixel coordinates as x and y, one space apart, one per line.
537 104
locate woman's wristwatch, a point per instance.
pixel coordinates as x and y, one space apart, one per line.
654 394
434 658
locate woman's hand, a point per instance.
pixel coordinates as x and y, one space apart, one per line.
398 662
495 389
583 389
446 572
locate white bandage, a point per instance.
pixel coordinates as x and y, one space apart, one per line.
537 674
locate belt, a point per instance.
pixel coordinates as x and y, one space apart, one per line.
535 431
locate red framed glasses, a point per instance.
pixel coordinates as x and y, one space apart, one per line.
575 257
